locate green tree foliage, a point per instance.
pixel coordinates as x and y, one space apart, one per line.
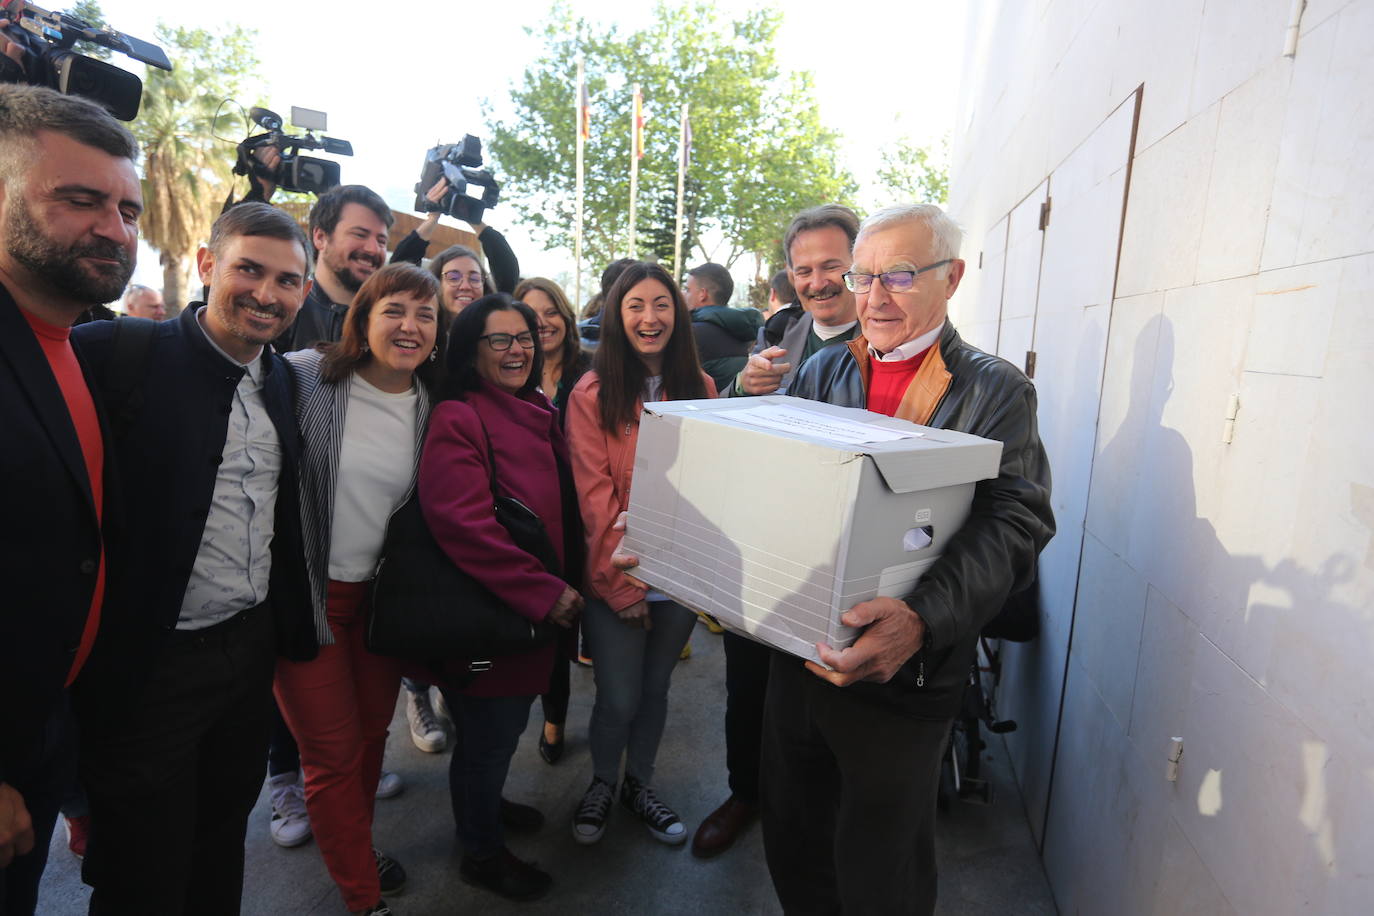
915 173
186 166
759 151
89 12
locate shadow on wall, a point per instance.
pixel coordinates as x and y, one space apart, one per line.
1274 803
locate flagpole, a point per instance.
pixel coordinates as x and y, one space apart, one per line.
681 181
581 103
636 108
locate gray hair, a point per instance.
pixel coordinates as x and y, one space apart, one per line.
945 234
842 218
25 110
134 290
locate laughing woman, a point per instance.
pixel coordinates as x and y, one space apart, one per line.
564 366
361 404
494 432
646 354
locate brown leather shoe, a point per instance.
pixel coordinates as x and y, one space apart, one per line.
722 827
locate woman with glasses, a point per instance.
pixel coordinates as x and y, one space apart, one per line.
493 430
647 353
361 405
564 365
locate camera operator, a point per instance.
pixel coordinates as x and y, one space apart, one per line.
456 265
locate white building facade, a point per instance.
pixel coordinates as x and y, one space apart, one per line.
1169 209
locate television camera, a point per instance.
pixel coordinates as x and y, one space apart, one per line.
295 172
457 163
46 39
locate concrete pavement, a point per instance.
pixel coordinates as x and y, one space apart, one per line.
988 863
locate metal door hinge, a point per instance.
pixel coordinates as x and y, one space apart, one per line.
1045 213
1030 364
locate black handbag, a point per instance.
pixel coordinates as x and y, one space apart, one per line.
425 607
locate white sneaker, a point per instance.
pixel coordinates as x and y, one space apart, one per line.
390 785
441 709
425 729
290 822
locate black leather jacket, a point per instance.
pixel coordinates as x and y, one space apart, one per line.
994 553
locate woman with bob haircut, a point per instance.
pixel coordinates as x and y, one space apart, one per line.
362 405
647 353
564 365
492 430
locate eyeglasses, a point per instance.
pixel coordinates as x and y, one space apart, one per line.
501 342
457 276
894 281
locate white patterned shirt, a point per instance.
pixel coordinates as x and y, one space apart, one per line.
235 559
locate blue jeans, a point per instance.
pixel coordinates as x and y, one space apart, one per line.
633 669
488 731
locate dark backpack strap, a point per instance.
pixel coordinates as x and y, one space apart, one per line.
129 350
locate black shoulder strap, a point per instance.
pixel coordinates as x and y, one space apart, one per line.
132 342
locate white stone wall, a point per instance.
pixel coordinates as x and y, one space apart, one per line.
1225 592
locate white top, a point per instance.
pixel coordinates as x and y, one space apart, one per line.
375 463
910 348
831 331
234 561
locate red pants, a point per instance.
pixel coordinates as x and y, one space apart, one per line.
339 706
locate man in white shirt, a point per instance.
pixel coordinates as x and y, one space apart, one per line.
175 728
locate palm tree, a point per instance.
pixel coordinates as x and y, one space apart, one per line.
186 168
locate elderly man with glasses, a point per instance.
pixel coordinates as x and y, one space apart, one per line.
852 750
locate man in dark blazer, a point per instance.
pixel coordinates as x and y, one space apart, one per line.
69 206
175 736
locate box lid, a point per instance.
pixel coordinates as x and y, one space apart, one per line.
908 457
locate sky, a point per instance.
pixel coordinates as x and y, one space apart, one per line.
395 80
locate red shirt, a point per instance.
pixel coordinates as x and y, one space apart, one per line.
57 347
890 381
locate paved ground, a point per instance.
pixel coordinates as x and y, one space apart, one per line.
988 864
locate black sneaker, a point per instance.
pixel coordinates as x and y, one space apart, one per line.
390 875
590 821
504 874
665 825
380 909
518 818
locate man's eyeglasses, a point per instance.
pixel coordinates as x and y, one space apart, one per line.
457 276
501 342
894 281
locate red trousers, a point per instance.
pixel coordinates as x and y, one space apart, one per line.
338 706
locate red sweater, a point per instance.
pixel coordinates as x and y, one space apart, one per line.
890 381
57 347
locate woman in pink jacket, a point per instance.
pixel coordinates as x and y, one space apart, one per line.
647 353
494 430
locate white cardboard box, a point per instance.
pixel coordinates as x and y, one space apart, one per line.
775 515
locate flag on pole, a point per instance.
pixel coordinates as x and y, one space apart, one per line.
686 142
639 123
584 108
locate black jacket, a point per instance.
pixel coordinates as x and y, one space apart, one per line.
167 464
724 336
50 542
994 553
319 319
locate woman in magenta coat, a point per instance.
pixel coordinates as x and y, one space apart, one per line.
491 409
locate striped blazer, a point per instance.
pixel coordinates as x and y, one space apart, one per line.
321 407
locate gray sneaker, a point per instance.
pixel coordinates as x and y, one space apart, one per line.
425 728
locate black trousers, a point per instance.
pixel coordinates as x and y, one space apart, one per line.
848 799
555 702
44 777
172 784
746 685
